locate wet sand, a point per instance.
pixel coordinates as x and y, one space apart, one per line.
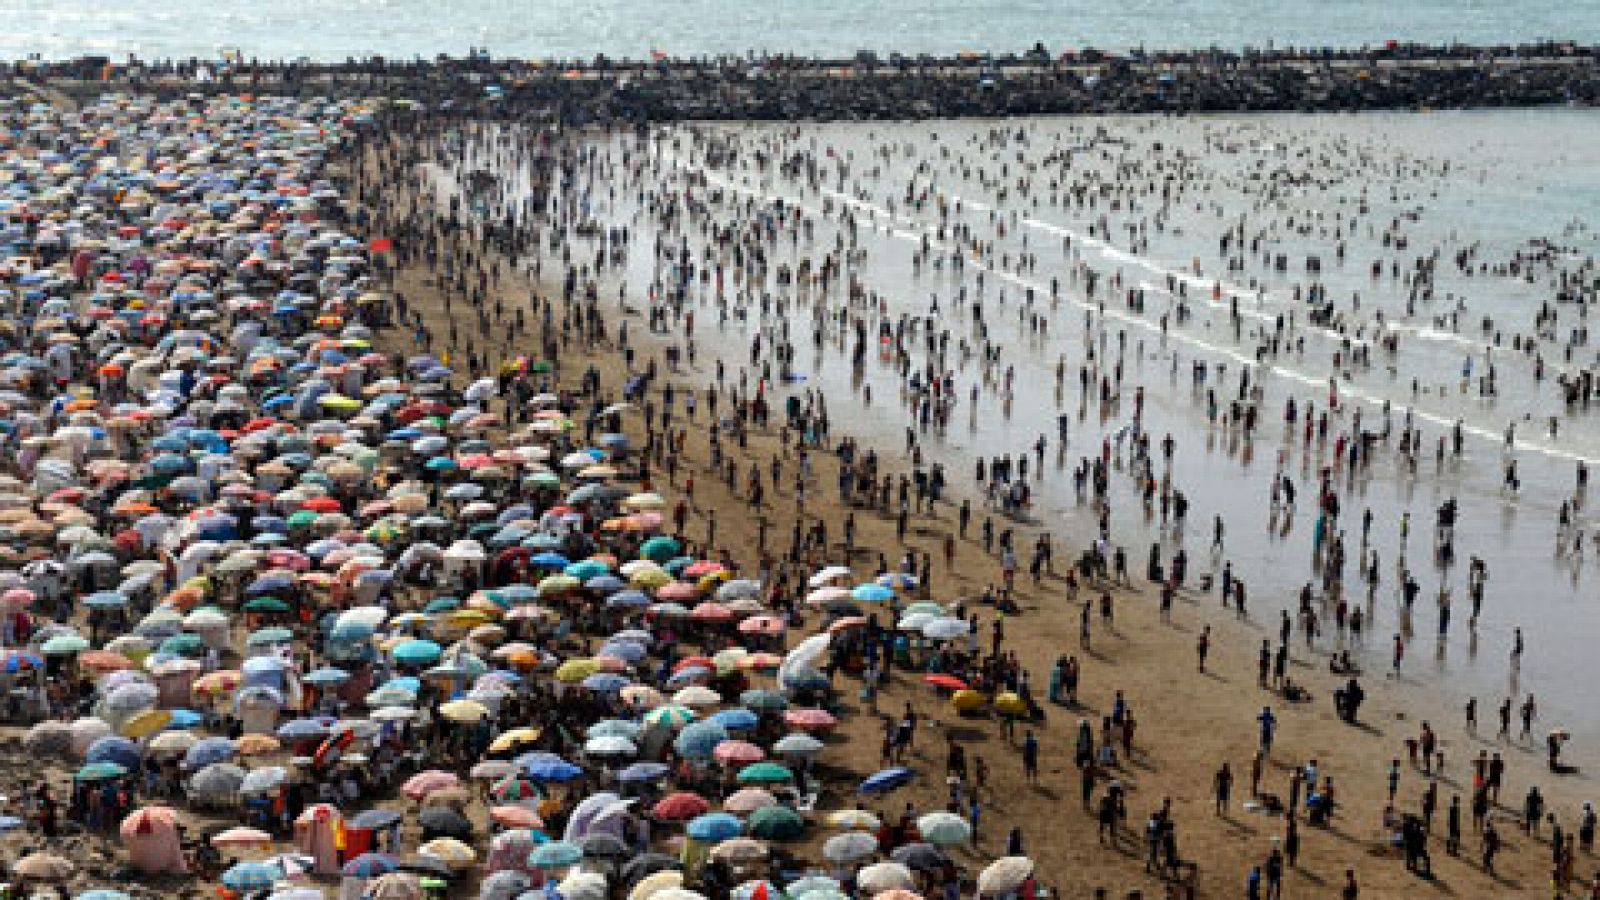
1188 723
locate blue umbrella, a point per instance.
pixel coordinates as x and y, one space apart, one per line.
553 770
628 600
375 819
605 584
872 593
736 719
209 751
550 560
623 650
371 865
113 749
605 682
715 827
644 772
252 876
887 780
416 652
184 719
272 582
698 739
302 730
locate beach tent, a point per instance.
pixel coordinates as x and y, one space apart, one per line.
317 834
151 836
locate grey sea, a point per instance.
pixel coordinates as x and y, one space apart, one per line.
335 29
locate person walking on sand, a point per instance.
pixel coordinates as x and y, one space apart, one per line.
1222 785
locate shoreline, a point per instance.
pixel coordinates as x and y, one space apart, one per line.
1148 662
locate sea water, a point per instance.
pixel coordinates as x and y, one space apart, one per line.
335 29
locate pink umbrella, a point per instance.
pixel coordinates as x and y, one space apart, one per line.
748 800
738 753
513 816
422 784
810 719
712 612
763 625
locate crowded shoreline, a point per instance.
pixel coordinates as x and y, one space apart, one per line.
455 371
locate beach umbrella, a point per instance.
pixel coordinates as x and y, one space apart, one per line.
798 744
509 884
515 816
263 781
422 784
849 847
735 719
219 780
740 850
555 771
442 821
114 749
101 771
555 855
252 876
738 753
609 745
1004 875
417 652
244 838
453 853
806 884
944 829
920 857
599 845
585 885
765 773
680 807
885 876
946 628
776 823
652 884
763 700
715 827
643 773
645 865
370 865
887 780
871 593
747 800
209 751
672 716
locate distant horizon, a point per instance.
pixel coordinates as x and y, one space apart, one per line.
326 31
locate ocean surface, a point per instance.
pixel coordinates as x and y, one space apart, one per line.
335 29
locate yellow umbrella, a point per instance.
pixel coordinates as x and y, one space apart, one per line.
966 701
464 711
258 745
651 579
646 500
146 723
513 739
575 670
1010 704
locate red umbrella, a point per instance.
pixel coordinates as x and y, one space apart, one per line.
694 662
321 505
680 807
948 682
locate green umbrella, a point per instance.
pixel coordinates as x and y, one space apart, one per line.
660 548
765 773
302 518
64 645
266 605
541 366
776 823
100 771
544 479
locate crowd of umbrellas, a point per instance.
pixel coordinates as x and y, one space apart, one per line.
260 570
